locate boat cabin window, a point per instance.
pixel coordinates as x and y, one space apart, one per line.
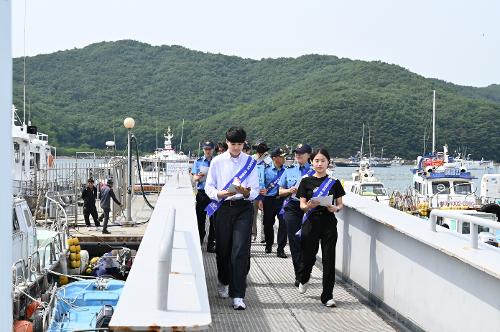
148 166
441 187
15 222
27 216
466 228
35 160
462 188
373 190
418 187
17 152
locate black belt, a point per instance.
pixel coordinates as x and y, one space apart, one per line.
236 202
273 197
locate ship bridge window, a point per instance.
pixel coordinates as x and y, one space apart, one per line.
463 188
466 228
148 166
373 190
27 216
441 187
15 222
17 152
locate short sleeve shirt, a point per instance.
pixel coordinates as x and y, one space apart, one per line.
309 184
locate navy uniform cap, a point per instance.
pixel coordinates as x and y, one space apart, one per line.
262 144
303 148
209 145
278 152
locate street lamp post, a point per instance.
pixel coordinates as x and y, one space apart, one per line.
129 123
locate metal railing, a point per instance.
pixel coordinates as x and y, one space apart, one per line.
474 222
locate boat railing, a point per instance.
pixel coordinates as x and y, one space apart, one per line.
52 253
18 280
59 207
34 265
473 220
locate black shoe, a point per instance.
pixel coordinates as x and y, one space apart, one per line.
105 231
262 241
268 250
211 248
281 254
297 283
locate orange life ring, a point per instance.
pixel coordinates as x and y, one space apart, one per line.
50 160
437 162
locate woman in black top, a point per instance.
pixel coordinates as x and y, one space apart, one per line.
321 224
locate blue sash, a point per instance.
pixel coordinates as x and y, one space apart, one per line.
242 175
323 190
285 203
273 182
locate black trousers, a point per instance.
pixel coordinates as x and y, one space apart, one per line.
90 211
293 220
233 229
272 207
318 228
202 201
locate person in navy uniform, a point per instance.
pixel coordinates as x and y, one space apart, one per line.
232 183
273 202
320 225
199 173
263 159
89 195
221 148
292 213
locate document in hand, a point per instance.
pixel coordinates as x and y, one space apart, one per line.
232 187
204 170
323 200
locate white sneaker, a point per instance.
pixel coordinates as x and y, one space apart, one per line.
330 303
238 304
302 288
223 290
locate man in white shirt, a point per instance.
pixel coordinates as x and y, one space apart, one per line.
232 182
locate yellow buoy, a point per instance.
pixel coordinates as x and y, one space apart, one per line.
63 280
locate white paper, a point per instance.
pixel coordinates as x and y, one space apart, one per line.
323 200
204 169
232 188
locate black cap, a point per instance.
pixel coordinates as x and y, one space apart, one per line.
110 181
303 148
247 146
261 146
278 152
208 145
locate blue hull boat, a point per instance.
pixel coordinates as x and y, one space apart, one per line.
85 305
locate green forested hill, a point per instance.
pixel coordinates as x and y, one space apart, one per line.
79 97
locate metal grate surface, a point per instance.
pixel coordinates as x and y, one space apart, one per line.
274 304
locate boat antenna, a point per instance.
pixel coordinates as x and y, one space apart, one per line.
369 143
156 133
182 134
24 65
434 121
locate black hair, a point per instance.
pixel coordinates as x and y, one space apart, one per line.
90 180
221 147
322 151
236 135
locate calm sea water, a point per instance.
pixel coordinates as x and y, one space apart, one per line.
400 177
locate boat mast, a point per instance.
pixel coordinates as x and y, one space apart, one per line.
6 163
362 138
434 121
24 66
182 134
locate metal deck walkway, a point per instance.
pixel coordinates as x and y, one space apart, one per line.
274 304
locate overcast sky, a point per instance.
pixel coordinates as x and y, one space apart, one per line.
454 40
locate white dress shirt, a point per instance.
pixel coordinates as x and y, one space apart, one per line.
222 169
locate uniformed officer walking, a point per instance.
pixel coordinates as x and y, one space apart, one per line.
288 185
263 159
232 183
199 172
272 202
